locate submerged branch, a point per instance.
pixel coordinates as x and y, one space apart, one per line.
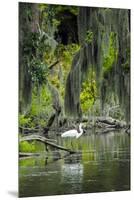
24 154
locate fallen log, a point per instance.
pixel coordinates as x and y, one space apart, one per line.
46 141
111 121
24 154
36 137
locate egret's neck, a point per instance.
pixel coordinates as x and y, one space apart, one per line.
80 128
79 133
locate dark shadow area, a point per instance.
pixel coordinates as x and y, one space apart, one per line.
68 29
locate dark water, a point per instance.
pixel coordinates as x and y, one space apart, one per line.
102 164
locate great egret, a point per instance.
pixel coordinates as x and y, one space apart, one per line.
73 132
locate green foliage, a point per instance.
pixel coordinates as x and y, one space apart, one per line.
60 8
56 22
111 55
24 121
32 45
55 81
41 103
89 37
126 64
66 53
39 72
88 93
41 107
26 147
31 147
70 51
62 91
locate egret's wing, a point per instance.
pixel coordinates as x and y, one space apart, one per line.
70 133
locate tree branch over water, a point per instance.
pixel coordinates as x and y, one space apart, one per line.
46 141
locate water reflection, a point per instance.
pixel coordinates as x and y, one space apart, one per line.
102 164
72 175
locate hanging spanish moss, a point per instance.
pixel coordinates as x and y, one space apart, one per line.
34 39
28 20
104 36
74 81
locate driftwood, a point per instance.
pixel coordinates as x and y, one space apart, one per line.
24 154
46 141
103 122
108 124
36 137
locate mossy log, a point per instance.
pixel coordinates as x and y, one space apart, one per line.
111 123
46 141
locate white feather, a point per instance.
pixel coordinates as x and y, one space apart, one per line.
73 132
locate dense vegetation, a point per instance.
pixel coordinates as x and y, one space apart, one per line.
73 63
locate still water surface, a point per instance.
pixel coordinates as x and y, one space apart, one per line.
101 164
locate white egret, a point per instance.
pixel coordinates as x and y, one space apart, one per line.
73 132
